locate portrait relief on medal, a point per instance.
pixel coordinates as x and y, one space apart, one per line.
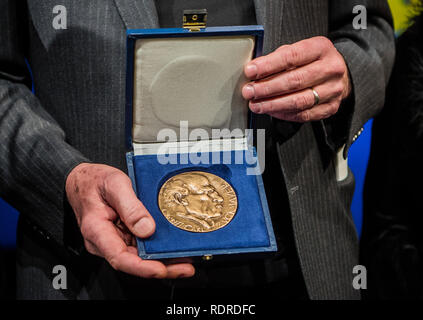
197 201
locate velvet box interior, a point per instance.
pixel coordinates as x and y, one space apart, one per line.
178 80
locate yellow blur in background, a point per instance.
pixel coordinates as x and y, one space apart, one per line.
402 11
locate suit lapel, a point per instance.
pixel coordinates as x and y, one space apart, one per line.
269 13
138 14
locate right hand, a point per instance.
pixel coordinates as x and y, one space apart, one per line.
109 215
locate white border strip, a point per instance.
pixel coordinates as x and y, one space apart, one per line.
218 145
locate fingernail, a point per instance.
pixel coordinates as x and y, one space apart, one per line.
256 107
248 92
144 227
251 71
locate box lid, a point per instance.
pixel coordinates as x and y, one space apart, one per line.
175 75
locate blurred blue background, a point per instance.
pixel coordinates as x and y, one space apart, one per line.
8 222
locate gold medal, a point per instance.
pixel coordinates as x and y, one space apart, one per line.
197 201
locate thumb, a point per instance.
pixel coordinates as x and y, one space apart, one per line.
118 193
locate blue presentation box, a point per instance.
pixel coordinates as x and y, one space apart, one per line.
177 79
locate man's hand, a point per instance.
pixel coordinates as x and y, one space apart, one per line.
109 214
283 81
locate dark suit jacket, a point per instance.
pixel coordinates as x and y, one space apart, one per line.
77 115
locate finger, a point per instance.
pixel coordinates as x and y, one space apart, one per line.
105 237
133 250
130 263
289 81
296 102
175 269
124 233
182 270
319 112
128 238
96 215
286 57
118 193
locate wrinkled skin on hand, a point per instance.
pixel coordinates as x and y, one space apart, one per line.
109 215
282 81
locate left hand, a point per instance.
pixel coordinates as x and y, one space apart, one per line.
283 81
